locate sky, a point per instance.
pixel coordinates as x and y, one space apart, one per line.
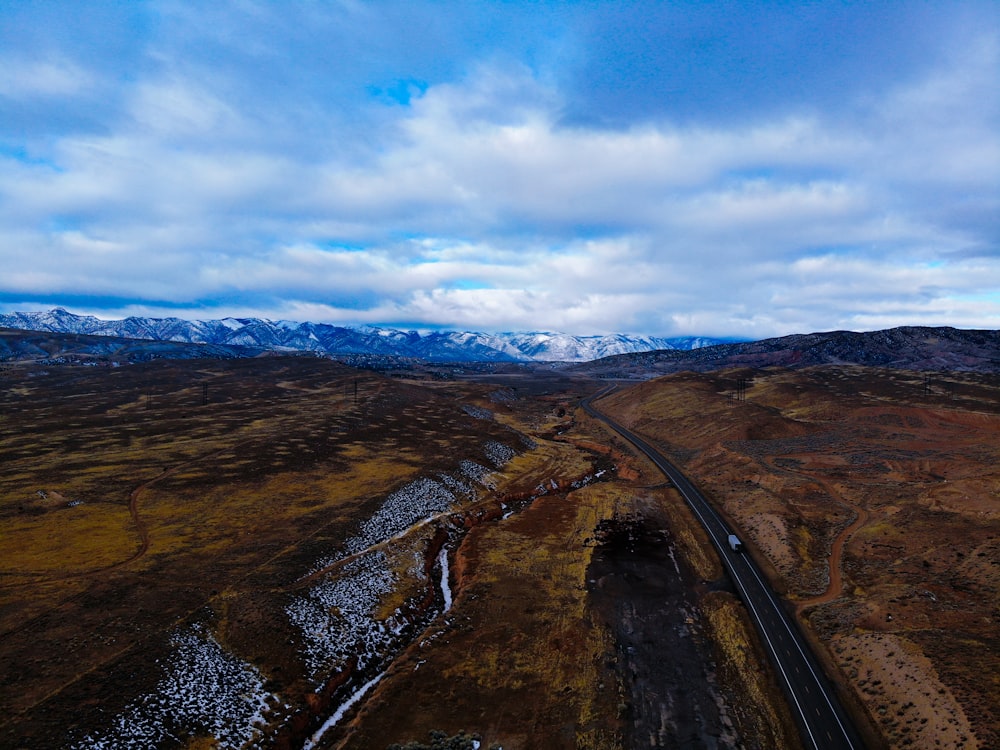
662 168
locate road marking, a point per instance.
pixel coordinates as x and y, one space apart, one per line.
805 660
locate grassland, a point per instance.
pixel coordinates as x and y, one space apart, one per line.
218 554
138 500
535 653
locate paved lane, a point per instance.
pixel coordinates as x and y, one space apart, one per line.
822 720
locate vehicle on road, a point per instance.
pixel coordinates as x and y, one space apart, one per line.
735 544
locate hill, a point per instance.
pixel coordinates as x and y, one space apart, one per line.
74 348
869 494
907 348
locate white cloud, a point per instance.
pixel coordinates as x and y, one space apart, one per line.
785 223
175 108
32 79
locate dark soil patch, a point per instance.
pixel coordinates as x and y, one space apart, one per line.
647 597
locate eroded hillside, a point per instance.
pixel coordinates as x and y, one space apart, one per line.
873 496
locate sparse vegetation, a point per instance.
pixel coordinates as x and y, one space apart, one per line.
209 515
870 499
296 533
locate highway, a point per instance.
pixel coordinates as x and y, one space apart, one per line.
822 721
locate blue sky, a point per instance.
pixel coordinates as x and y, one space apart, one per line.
743 169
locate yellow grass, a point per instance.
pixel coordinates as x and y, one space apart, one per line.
732 635
523 642
546 574
67 540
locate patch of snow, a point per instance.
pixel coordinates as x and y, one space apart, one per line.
336 616
339 713
402 509
206 689
498 453
475 472
445 584
411 505
477 412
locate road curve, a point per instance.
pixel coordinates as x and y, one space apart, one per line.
822 721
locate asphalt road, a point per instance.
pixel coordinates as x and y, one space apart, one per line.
822 721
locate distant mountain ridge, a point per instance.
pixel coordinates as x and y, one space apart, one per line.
906 347
48 347
448 346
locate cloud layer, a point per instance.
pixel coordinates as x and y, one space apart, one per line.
329 163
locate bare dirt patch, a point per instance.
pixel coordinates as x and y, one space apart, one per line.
648 598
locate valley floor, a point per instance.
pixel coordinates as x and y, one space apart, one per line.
285 551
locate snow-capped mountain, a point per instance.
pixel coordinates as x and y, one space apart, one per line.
453 346
564 347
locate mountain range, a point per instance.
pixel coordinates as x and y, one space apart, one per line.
323 338
60 335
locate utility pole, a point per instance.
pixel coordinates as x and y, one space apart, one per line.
741 390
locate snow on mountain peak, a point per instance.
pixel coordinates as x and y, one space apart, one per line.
365 339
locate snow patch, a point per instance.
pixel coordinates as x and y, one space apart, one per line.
336 616
498 453
445 584
206 689
477 412
339 713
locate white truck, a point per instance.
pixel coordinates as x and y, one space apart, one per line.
735 544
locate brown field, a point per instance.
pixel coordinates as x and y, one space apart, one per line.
537 652
172 531
873 498
217 554
141 499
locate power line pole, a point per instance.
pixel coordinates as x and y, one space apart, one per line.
741 389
